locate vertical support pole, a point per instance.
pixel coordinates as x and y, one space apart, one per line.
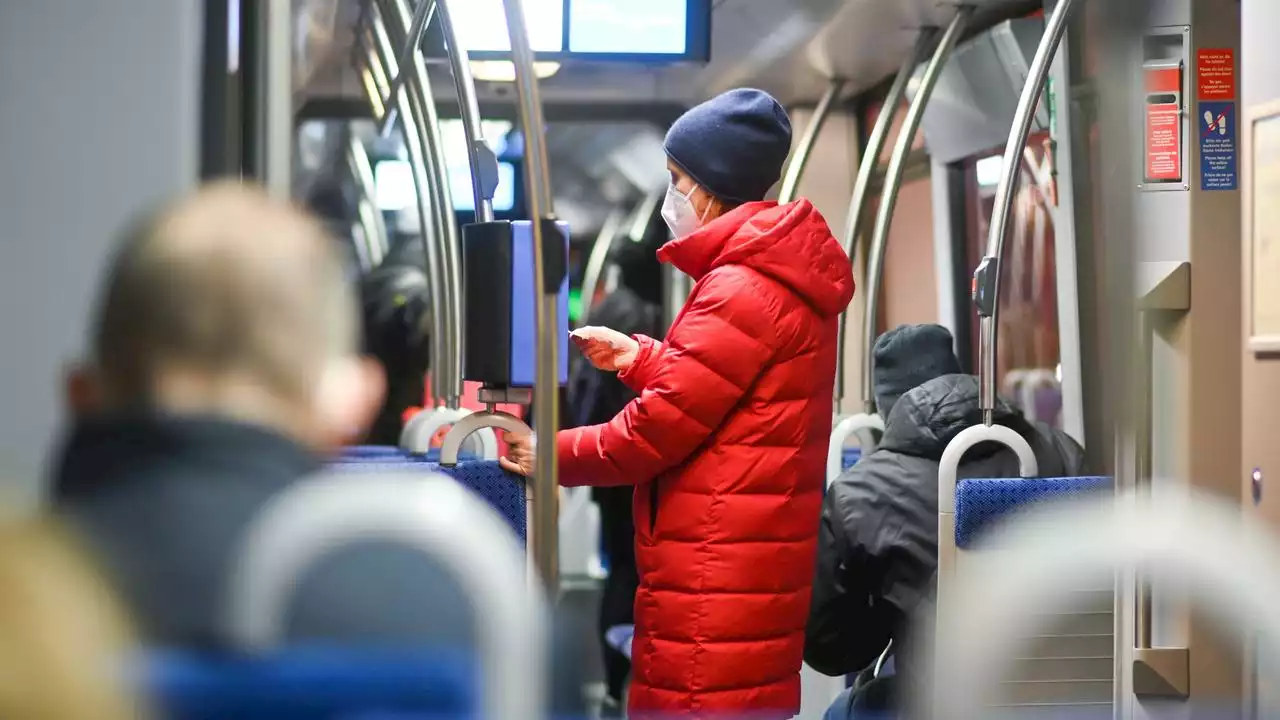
546 284
275 147
893 184
866 168
799 159
987 277
469 109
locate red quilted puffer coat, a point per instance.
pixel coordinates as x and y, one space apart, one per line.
726 445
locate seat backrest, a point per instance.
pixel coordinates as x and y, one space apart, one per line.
503 492
430 514
315 683
1071 666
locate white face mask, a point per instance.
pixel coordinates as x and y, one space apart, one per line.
679 213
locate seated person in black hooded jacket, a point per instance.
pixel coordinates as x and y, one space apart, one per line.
878 542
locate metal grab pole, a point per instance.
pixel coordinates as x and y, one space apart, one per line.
379 50
636 223
421 19
599 254
546 391
446 237
791 179
469 108
866 168
893 184
375 229
987 276
1143 462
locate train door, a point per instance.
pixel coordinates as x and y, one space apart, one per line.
1260 412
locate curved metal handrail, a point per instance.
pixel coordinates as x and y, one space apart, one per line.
433 514
865 426
469 109
599 255
417 433
800 158
987 275
866 168
378 49
949 465
376 240
448 315
474 422
893 184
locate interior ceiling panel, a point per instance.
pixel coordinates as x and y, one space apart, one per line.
789 48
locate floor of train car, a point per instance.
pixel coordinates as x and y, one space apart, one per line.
580 609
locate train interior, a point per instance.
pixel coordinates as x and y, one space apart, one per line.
1079 188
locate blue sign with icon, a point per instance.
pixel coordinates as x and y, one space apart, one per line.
1218 165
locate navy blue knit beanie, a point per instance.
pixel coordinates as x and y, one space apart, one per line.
733 145
907 357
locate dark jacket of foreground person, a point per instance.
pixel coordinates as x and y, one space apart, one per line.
163 504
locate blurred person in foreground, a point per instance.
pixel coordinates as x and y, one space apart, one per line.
596 396
66 644
727 439
878 543
224 368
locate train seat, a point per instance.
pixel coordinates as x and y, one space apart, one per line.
313 683
850 457
503 492
982 503
619 638
1070 667
264 677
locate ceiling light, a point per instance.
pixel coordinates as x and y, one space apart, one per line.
505 70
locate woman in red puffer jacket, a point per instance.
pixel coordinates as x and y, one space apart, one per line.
727 439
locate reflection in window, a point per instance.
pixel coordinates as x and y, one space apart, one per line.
1028 356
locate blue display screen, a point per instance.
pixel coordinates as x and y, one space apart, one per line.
504 197
651 27
396 191
627 30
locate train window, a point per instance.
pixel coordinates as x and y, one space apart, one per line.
988 170
1029 355
393 182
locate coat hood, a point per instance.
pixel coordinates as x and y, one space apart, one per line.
790 243
925 419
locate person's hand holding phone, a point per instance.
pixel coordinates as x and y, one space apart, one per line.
606 349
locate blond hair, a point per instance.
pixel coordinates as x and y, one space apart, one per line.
64 643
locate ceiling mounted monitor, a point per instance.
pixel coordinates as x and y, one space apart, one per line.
647 31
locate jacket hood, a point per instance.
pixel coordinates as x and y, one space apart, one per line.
928 417
790 243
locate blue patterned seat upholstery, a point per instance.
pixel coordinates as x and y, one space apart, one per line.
313 684
982 503
850 457
503 491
